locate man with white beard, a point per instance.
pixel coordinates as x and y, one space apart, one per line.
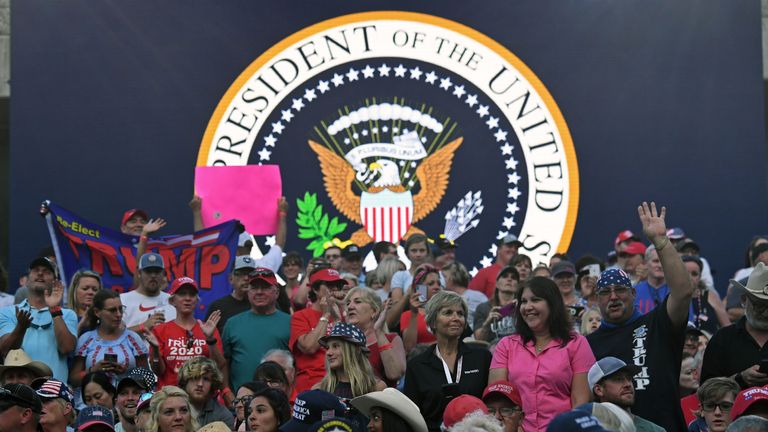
736 351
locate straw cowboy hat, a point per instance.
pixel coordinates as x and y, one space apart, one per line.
19 359
757 283
215 427
394 401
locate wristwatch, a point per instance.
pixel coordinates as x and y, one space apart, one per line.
324 319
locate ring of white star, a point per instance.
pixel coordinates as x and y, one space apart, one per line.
415 73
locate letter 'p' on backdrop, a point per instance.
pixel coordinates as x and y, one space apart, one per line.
548 120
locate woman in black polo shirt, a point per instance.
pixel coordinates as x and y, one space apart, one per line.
448 368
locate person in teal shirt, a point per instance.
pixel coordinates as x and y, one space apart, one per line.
250 334
38 324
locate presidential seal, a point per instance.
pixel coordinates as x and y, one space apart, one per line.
386 124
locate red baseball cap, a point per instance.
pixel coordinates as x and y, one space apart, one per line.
506 389
133 212
326 275
180 282
747 398
624 236
264 274
459 407
635 248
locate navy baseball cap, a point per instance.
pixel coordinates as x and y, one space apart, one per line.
311 407
335 424
93 415
575 421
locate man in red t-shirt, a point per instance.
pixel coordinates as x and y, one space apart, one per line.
485 280
310 324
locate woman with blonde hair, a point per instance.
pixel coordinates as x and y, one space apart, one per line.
348 373
170 410
384 272
83 287
386 353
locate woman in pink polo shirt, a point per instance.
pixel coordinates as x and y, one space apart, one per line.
544 359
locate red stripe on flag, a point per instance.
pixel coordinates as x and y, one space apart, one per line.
391 231
408 216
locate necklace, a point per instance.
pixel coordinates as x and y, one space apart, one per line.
540 345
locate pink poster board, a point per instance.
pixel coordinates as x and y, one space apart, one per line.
248 193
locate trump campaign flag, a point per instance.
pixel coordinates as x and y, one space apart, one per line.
206 256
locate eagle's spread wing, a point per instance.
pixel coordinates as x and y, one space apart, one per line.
338 176
433 176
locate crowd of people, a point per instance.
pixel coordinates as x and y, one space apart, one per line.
638 341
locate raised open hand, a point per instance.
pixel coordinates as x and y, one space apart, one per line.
379 324
654 225
152 226
209 326
55 295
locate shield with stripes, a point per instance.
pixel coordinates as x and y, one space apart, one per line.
386 215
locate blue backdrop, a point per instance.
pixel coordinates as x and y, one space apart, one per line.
663 100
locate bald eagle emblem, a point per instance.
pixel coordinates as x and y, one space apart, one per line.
385 166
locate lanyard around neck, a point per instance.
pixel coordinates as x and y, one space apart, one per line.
447 370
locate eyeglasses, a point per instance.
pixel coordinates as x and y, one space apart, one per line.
710 406
618 290
505 412
625 255
261 273
334 256
40 327
86 272
116 309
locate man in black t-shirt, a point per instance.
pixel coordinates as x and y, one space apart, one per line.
237 301
653 342
737 351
